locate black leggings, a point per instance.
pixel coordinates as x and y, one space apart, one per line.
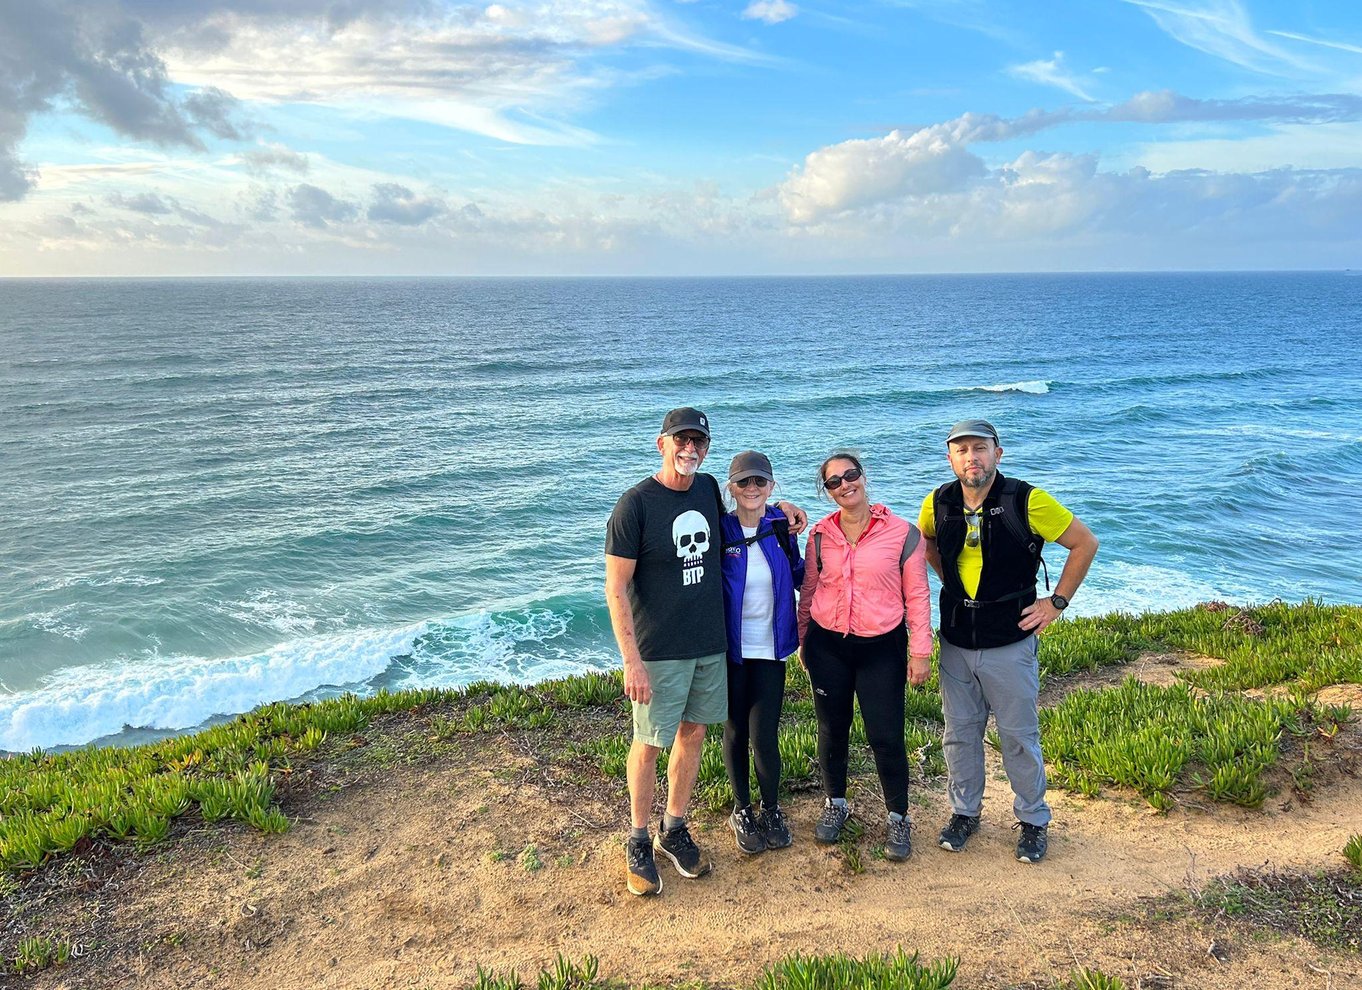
756 692
875 670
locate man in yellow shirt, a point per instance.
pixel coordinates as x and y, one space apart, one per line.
984 534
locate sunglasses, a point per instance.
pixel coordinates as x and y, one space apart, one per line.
972 520
752 482
835 482
684 440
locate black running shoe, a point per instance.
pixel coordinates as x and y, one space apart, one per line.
1033 843
680 848
748 832
640 871
957 832
898 843
774 829
829 827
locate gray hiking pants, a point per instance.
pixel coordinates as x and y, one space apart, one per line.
1006 681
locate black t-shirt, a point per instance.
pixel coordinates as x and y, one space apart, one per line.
677 593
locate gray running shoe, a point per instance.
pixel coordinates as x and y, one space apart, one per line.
957 832
680 848
748 832
898 844
829 827
1032 845
640 871
774 829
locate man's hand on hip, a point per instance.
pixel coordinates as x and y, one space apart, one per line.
1035 617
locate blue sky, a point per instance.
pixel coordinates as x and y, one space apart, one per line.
166 137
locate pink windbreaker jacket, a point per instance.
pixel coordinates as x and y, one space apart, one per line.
860 589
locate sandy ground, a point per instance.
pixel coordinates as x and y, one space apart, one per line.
410 876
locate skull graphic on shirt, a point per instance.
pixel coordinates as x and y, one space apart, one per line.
690 533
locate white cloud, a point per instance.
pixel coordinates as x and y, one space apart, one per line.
861 172
930 182
770 11
1051 73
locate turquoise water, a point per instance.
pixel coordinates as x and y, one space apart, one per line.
219 493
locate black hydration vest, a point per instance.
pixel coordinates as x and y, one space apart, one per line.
1007 583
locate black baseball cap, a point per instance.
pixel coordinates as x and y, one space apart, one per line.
685 418
973 428
750 464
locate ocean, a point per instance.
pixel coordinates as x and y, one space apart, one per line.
223 492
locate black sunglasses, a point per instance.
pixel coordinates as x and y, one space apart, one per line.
685 439
835 482
754 480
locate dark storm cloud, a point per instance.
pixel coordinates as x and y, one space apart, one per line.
149 203
314 207
397 204
260 161
94 57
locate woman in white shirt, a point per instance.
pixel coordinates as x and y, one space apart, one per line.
761 568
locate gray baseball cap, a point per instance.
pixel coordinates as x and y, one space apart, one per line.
685 418
750 464
973 428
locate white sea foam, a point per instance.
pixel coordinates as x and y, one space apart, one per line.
1031 388
58 622
267 608
124 577
79 704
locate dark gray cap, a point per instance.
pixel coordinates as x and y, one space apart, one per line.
685 418
973 428
750 464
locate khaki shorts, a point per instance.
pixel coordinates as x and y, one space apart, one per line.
683 691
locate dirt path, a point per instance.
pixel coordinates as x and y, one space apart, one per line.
398 882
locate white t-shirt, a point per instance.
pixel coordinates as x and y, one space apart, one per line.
758 605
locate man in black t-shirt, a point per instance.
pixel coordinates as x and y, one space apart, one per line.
664 589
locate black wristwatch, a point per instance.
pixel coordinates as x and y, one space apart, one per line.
1059 602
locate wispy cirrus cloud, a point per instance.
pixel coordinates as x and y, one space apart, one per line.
1223 29
1051 72
1341 46
516 72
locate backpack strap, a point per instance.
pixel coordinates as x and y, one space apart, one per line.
1016 495
910 543
1017 520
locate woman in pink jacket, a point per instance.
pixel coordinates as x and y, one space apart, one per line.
864 632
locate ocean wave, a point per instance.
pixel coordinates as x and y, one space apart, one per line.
80 704
520 646
1030 388
1120 586
524 645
